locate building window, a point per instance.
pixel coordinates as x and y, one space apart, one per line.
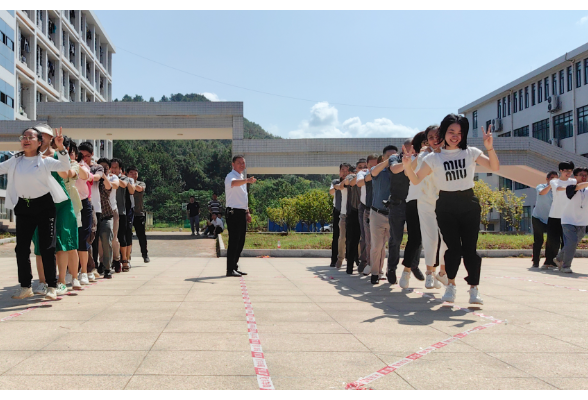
521 132
519 186
583 120
514 100
521 99
505 134
508 103
578 74
561 82
541 130
569 74
527 97
503 107
563 126
498 113
488 123
533 94
546 80
6 99
539 91
554 84
475 120
586 71
504 183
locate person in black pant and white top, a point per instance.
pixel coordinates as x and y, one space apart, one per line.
238 215
457 209
32 192
555 236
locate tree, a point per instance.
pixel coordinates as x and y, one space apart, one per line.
151 100
511 207
487 198
314 206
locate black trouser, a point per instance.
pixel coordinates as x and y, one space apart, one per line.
458 217
539 228
335 243
139 224
122 230
412 251
353 234
129 226
85 230
237 226
96 241
34 214
554 239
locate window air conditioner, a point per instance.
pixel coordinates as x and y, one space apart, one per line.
553 104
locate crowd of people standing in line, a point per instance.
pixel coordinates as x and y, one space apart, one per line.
79 214
429 187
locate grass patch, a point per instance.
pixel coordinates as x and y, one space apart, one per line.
486 241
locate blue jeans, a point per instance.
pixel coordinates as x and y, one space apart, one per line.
195 222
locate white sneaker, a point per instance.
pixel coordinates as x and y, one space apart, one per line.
367 270
75 284
449 295
68 279
404 279
442 278
567 270
430 281
546 267
23 293
475 296
51 294
41 289
61 289
559 264
84 279
91 277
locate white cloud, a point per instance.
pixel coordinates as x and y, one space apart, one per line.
212 96
583 20
324 123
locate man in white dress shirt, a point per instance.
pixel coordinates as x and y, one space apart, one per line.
238 215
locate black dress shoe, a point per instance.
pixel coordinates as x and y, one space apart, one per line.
332 265
146 259
375 279
391 276
107 275
418 274
233 273
242 273
349 272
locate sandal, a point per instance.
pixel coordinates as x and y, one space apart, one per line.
125 268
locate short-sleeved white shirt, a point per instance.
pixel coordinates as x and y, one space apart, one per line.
414 191
453 170
236 197
113 178
360 177
576 210
560 200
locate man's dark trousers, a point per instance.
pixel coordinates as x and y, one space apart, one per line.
139 224
335 243
353 232
237 226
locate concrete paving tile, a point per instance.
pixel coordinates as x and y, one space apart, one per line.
531 343
567 383
323 364
173 382
292 316
213 306
390 382
387 326
160 298
299 327
49 314
220 341
63 382
318 342
482 383
193 326
99 362
136 306
9 359
120 326
185 362
136 315
211 298
231 314
281 299
287 306
555 365
408 344
122 341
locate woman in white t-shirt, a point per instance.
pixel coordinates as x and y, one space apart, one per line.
433 245
457 209
32 192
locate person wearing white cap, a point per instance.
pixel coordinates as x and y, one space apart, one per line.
32 193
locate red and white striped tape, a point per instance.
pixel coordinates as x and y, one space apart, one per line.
360 383
263 376
534 281
45 303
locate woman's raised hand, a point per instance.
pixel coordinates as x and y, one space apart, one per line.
59 138
488 138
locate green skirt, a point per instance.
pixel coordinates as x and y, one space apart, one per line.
66 228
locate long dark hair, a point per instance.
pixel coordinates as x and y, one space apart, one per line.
455 119
39 136
417 141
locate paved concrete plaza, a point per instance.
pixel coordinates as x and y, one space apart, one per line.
179 323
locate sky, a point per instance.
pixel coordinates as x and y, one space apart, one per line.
309 74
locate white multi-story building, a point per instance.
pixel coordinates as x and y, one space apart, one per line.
549 104
51 56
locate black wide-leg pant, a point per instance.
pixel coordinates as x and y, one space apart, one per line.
237 226
458 217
